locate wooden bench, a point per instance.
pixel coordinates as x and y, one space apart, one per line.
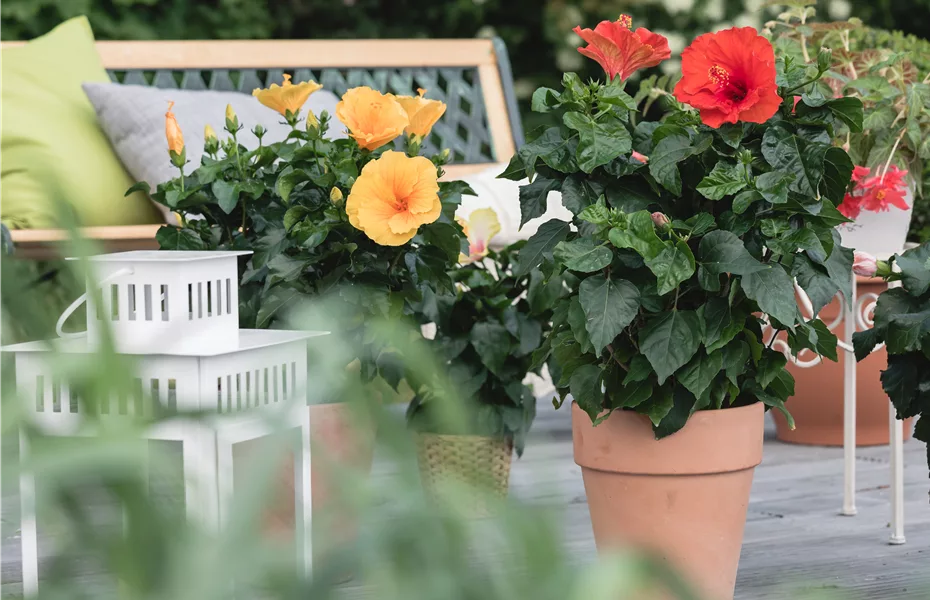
473 77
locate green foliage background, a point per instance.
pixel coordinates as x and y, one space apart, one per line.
537 32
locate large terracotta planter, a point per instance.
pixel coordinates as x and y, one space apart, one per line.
817 404
470 472
683 498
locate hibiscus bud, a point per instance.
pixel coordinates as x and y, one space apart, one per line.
259 131
640 157
210 143
335 196
864 264
824 60
232 120
444 155
312 122
661 221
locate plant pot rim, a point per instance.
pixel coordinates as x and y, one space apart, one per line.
625 443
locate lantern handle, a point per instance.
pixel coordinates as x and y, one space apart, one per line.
60 325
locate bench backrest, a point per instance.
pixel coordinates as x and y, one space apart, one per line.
472 77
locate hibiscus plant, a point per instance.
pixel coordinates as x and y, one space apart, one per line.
486 334
348 217
902 323
688 233
890 150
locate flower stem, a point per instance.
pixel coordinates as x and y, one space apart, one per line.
891 154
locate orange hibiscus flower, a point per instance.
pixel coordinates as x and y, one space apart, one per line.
423 113
621 51
287 97
373 118
393 196
729 76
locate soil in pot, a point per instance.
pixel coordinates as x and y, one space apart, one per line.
683 498
469 472
817 404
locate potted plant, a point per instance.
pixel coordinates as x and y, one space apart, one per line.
486 334
687 235
889 156
351 218
902 324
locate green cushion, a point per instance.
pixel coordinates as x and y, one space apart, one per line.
52 148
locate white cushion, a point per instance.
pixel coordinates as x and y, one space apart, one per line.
503 195
133 118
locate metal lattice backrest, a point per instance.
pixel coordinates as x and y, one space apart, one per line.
463 129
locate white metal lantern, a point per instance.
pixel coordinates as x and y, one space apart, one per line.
169 301
179 309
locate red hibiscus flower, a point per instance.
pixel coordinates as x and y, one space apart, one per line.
621 51
729 76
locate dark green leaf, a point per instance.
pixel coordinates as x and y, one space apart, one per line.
492 343
837 170
789 153
720 324
769 365
533 198
915 269
773 186
673 265
773 291
554 150
670 340
583 254
818 286
175 238
700 371
678 414
722 252
586 389
663 165
609 305
539 247
723 180
639 235
599 141
744 199
273 303
577 321
227 195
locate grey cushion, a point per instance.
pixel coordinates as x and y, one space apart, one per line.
133 118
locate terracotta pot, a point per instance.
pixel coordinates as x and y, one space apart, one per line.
683 498
469 472
817 404
341 440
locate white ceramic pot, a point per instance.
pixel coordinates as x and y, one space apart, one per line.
881 234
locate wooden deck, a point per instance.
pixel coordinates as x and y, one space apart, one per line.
795 539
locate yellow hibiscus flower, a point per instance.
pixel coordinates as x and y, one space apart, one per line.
286 97
422 113
373 118
393 196
482 225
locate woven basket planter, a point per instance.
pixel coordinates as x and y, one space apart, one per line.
468 471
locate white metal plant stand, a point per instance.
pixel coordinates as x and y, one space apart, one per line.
856 314
179 310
